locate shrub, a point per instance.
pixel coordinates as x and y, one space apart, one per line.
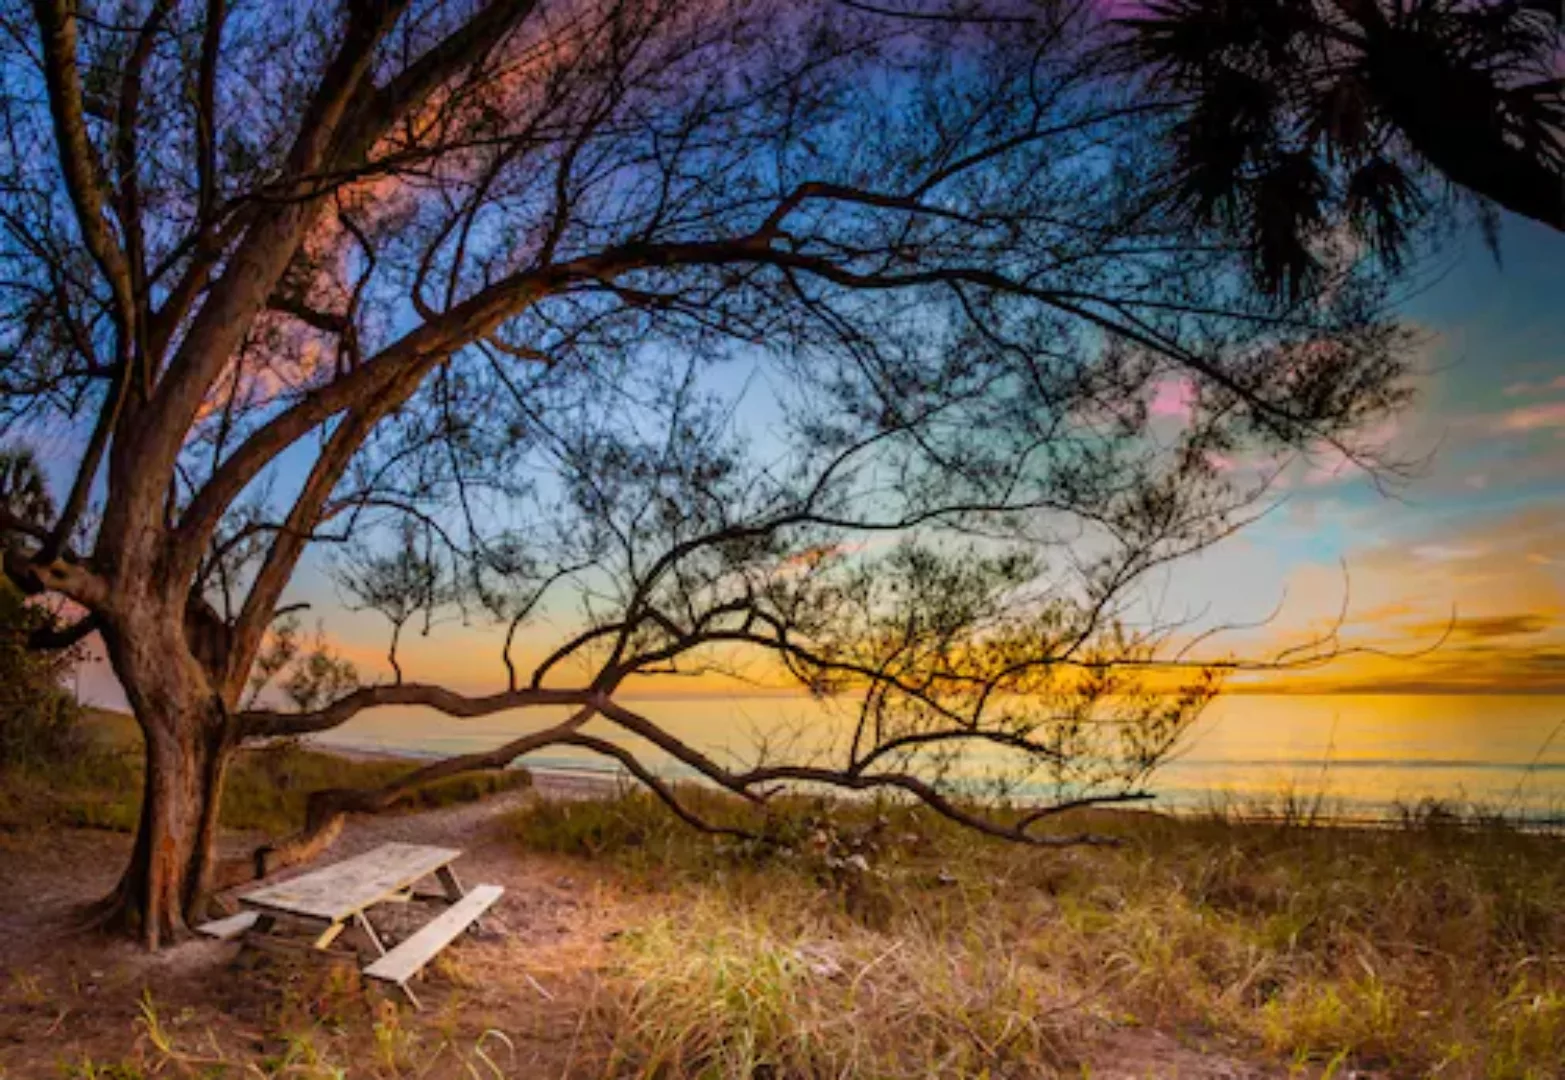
40 722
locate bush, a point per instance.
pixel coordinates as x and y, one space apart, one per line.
40 722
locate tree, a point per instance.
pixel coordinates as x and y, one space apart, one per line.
1304 117
467 276
24 493
38 718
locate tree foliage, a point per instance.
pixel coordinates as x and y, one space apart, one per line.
1302 121
39 718
742 328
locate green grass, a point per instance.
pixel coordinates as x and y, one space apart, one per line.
266 789
885 938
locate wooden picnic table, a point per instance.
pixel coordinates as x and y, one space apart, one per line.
341 895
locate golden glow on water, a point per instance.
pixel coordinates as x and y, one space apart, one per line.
1369 750
1364 752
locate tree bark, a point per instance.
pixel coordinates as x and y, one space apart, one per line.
166 886
189 739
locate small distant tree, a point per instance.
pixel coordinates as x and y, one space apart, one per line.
300 275
24 493
403 583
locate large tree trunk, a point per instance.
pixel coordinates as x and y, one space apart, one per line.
165 887
189 740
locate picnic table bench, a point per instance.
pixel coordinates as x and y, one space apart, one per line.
340 895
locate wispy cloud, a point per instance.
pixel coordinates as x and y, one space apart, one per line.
1445 552
1525 389
1475 609
1533 417
1487 627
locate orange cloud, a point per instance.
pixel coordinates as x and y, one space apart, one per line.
1518 624
1480 610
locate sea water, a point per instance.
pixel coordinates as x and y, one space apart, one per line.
1353 755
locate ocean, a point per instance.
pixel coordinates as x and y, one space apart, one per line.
1360 756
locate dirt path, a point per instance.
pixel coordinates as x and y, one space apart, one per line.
67 997
525 998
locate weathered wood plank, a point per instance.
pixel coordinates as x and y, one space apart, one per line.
449 882
339 891
229 928
407 959
369 932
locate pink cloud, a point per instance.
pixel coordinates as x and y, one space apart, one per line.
1328 464
1174 398
1534 417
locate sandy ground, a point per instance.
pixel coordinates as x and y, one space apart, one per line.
521 998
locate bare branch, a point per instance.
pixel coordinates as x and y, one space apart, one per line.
79 161
262 723
328 809
63 637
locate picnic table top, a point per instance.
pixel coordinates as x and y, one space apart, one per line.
341 890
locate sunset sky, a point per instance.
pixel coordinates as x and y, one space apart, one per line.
1478 530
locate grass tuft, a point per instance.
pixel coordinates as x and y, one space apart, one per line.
712 994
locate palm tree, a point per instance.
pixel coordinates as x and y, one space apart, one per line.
24 493
1299 118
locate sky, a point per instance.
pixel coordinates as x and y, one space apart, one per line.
1461 569
1455 579
1450 582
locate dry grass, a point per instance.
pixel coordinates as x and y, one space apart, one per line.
394 1048
886 943
715 992
870 940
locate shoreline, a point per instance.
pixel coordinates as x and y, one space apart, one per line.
548 780
556 781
